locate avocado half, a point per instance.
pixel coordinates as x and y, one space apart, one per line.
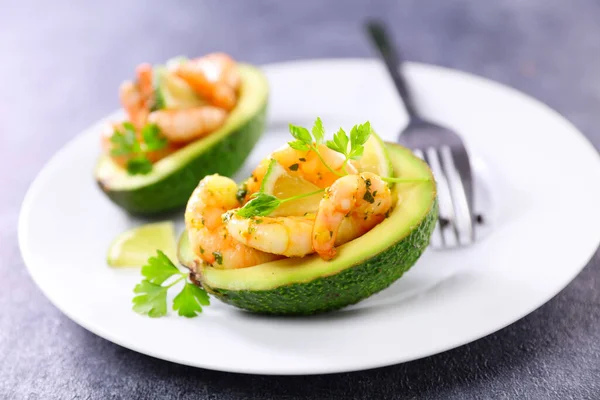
361 268
172 179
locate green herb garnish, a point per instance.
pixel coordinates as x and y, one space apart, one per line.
305 141
263 204
151 293
125 143
139 165
358 137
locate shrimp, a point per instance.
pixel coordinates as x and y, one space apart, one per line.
364 200
302 164
287 236
136 98
208 236
214 77
189 124
145 86
133 103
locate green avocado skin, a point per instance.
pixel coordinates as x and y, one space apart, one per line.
173 191
345 288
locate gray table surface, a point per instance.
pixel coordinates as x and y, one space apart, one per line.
61 64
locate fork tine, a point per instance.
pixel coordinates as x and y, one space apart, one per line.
437 240
446 210
462 210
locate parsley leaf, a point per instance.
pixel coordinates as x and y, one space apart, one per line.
125 142
298 145
159 268
358 137
151 293
139 165
301 134
261 204
153 140
188 303
339 142
318 131
151 299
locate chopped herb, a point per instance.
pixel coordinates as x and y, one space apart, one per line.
302 159
241 193
368 197
218 257
375 193
201 250
294 167
330 234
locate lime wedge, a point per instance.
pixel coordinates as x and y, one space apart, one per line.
375 158
280 183
133 247
172 92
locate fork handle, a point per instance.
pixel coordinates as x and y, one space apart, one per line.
380 38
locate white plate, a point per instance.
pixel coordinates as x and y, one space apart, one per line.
545 179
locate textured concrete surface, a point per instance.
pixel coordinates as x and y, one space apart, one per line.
61 64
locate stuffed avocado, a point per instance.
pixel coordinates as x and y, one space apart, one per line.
180 128
251 267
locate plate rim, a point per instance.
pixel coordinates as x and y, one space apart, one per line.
466 339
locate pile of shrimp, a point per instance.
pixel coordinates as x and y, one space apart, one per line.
351 206
213 77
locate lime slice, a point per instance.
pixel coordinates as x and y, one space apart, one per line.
281 184
133 248
172 92
375 158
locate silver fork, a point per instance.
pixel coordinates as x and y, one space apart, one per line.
441 148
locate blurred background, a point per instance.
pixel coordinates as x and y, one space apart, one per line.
62 62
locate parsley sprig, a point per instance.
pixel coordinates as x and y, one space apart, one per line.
151 293
125 143
263 204
306 140
310 141
358 137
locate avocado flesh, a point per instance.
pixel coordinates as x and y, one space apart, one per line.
361 267
173 178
